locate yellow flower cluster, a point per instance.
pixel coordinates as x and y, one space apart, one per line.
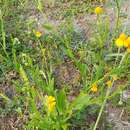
94 88
98 10
109 83
123 41
50 103
38 34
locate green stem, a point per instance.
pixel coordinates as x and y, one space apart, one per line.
3 35
3 96
102 107
107 95
117 20
117 55
118 14
122 59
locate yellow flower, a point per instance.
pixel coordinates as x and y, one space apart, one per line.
119 42
94 88
128 49
123 36
127 42
122 40
98 10
38 34
109 83
50 103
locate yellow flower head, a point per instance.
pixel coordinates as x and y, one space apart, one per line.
50 103
123 36
119 42
38 34
128 49
122 40
98 10
94 88
127 42
109 83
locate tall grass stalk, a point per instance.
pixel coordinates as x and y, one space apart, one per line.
3 44
107 95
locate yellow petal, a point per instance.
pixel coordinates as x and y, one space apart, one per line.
50 103
38 34
109 83
98 10
94 88
127 42
128 49
51 99
119 42
122 36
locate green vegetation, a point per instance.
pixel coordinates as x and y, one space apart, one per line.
53 76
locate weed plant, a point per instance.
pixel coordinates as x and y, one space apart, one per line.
102 61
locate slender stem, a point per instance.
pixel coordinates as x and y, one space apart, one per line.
118 14
122 59
3 35
120 66
117 20
102 107
3 96
117 55
107 95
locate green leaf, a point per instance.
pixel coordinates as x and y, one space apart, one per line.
81 101
83 68
114 55
69 53
99 72
61 101
128 101
48 26
23 75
